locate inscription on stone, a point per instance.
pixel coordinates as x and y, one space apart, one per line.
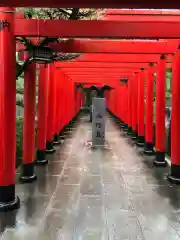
98 122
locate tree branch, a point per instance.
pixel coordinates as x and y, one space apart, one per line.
61 10
74 14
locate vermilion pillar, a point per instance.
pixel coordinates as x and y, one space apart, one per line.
63 106
8 200
27 174
174 175
119 104
60 105
129 107
140 109
43 87
71 103
149 111
160 113
134 105
116 102
125 103
57 108
123 106
51 111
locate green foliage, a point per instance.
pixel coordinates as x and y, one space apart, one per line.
19 134
168 87
59 13
20 92
51 13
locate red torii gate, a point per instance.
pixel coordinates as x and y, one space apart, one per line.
48 81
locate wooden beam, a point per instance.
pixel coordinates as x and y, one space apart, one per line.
142 18
154 12
92 65
100 70
119 58
98 29
114 46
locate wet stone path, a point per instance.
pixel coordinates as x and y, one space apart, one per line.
114 193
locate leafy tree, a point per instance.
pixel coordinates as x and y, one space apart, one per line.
48 13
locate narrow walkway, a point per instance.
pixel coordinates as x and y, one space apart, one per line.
83 194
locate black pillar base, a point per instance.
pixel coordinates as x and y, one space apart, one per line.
49 147
8 200
121 124
125 128
56 140
41 157
70 124
117 120
129 132
62 134
27 173
66 131
140 141
160 159
134 135
62 137
174 175
148 149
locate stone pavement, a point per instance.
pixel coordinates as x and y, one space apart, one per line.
114 193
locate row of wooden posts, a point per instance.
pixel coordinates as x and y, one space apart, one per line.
133 104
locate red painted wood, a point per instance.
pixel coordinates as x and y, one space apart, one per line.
94 65
160 105
123 58
56 101
99 70
51 104
29 114
140 17
43 90
62 103
119 95
134 102
175 113
129 122
7 101
141 85
125 103
99 74
116 46
149 105
100 64
60 99
163 12
98 29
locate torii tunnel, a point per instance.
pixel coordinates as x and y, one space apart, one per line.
63 188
